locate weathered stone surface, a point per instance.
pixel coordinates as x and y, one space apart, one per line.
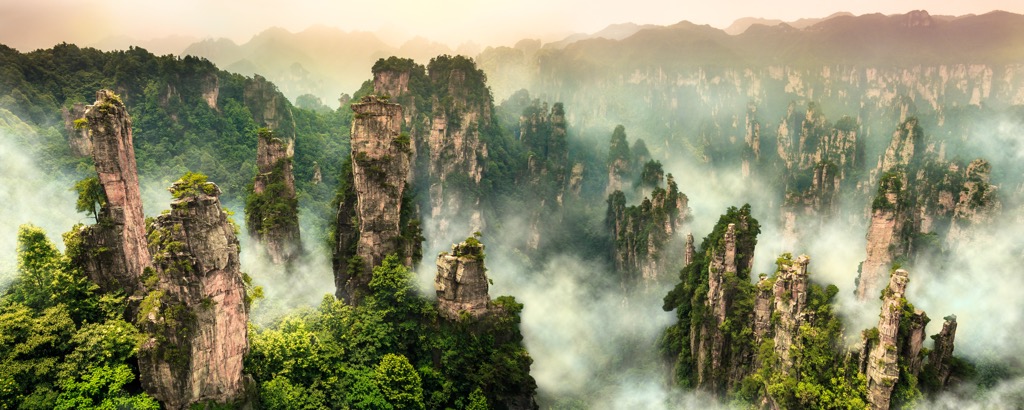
711 344
194 316
976 204
790 295
77 133
644 232
940 359
380 164
271 212
882 367
269 107
884 240
461 281
116 247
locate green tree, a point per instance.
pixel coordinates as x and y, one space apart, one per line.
91 197
399 382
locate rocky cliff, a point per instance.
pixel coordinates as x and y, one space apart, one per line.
271 209
195 314
886 238
448 113
461 281
114 250
882 367
76 129
268 106
790 295
380 165
643 234
543 134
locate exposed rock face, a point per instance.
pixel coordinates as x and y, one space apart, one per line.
269 107
913 341
118 252
643 232
462 109
940 359
576 179
271 212
619 160
712 342
884 239
790 295
447 108
977 203
77 131
906 143
688 256
544 136
461 282
380 164
882 367
195 314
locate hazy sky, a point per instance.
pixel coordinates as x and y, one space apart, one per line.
28 25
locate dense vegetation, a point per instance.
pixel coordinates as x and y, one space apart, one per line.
187 115
392 351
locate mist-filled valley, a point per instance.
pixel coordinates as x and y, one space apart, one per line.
822 213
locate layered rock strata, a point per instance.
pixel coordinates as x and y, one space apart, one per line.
116 251
461 281
272 208
195 316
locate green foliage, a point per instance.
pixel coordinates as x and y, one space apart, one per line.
399 382
91 196
192 184
280 393
103 388
46 278
62 345
619 148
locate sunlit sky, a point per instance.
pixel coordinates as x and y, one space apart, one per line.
31 24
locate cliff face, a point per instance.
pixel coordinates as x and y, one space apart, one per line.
462 110
886 237
77 131
195 314
643 232
115 248
882 367
269 107
461 281
939 365
790 295
543 133
976 203
448 113
271 210
380 164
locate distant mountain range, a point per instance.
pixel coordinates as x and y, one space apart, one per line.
327 62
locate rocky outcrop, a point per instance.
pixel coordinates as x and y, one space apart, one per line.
886 236
195 314
461 281
269 107
790 295
976 203
447 109
620 163
543 134
114 250
939 367
374 201
76 130
272 209
643 233
882 363
712 343
462 111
